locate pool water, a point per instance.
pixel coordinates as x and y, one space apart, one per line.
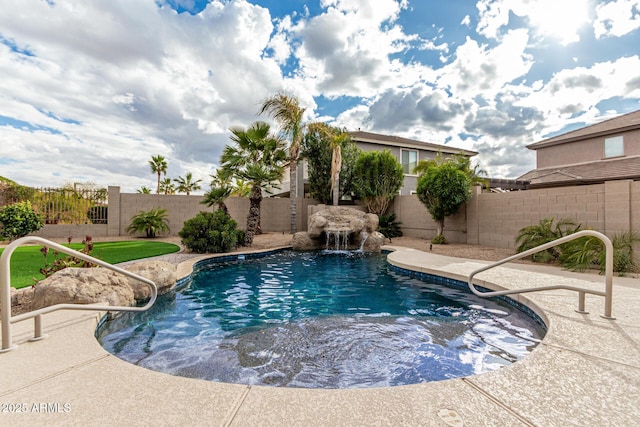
320 320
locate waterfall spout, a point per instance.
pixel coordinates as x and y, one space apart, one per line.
337 240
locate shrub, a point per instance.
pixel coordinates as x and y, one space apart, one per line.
545 231
377 177
150 222
443 188
210 232
588 252
389 227
18 220
439 240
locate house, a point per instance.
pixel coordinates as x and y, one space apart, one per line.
605 151
408 152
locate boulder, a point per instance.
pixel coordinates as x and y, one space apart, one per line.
302 241
163 274
83 286
342 227
374 242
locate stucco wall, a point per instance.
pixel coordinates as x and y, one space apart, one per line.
583 151
490 219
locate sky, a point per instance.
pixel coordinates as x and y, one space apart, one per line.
91 89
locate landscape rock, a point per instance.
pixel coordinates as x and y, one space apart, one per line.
83 286
340 227
302 241
374 242
162 273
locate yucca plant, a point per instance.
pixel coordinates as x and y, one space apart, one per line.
150 222
547 230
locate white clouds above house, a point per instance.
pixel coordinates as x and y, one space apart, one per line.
90 90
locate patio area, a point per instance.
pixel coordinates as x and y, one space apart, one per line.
586 371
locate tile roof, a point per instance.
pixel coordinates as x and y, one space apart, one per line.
376 138
592 172
618 124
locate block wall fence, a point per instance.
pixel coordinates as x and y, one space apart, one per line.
488 219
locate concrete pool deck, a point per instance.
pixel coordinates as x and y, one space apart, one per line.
586 371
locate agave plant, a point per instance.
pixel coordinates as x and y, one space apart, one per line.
150 222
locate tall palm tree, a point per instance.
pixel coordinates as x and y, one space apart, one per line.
167 187
186 184
336 138
158 165
287 112
257 157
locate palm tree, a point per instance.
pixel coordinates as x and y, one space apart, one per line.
158 165
241 188
287 112
221 189
257 157
336 138
143 190
186 184
167 187
150 222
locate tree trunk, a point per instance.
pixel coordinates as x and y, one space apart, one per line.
293 194
440 227
223 207
254 215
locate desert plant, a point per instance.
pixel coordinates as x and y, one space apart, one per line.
18 220
210 232
389 227
150 222
545 231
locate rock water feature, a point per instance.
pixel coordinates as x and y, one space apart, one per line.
341 229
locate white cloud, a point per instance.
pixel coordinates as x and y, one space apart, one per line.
134 78
560 20
480 70
617 18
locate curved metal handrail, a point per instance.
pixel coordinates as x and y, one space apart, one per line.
607 294
5 290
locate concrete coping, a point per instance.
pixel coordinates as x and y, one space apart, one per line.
586 371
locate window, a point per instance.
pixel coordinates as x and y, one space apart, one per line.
614 146
409 161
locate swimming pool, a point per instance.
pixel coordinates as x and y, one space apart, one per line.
320 320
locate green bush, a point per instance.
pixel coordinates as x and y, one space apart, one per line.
210 232
439 240
150 222
389 227
18 220
589 252
547 230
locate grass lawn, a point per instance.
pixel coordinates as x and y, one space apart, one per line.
27 261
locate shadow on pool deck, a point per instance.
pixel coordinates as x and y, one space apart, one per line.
585 372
